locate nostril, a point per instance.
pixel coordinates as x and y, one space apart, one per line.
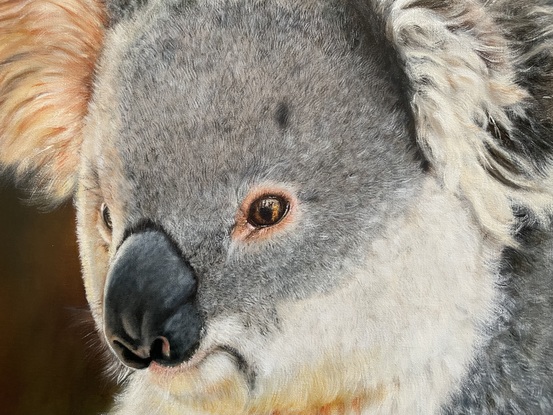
167 354
160 350
130 358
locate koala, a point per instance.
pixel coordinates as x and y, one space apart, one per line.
299 207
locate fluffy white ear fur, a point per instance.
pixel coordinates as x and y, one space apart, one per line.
47 54
462 75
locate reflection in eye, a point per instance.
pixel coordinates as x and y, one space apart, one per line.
267 211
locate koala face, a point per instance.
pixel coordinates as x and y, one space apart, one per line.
266 152
292 208
201 129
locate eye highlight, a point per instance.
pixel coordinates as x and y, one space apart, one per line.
106 216
267 211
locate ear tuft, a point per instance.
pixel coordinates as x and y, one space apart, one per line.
48 50
476 121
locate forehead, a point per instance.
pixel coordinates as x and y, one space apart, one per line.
253 91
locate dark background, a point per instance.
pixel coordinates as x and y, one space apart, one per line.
50 359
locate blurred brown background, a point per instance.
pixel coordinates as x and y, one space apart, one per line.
50 362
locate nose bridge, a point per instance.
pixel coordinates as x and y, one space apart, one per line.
149 302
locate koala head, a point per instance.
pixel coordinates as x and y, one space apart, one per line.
234 158
268 216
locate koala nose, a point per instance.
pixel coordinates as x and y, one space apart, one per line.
149 303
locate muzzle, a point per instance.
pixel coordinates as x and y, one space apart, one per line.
150 311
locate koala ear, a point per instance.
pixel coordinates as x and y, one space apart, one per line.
47 54
480 118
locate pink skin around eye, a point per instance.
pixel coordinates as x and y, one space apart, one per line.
245 231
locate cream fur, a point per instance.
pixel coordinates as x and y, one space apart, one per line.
463 80
48 50
404 331
417 328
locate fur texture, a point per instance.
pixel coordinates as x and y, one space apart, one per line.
47 55
469 104
411 140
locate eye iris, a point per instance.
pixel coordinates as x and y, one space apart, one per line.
106 216
267 211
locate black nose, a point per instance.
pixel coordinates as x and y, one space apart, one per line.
149 305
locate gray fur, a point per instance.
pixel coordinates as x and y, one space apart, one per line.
216 97
215 141
413 141
514 372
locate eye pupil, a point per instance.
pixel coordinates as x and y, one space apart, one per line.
106 216
267 211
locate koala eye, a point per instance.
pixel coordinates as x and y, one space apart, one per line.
106 216
267 211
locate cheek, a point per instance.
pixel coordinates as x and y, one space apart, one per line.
421 299
94 255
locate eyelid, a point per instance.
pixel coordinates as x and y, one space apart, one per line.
103 229
105 214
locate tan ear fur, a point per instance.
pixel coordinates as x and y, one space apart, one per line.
48 50
462 71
